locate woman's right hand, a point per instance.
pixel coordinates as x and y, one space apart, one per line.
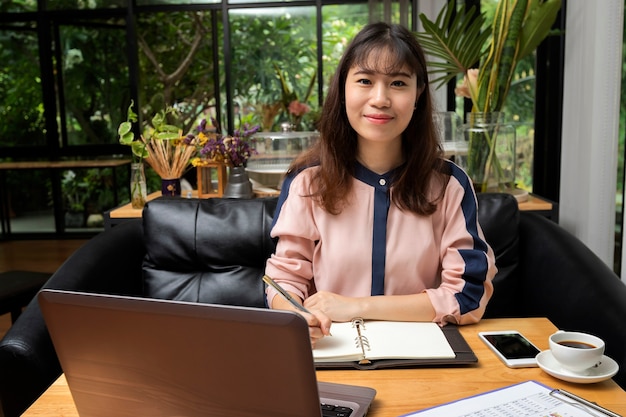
319 325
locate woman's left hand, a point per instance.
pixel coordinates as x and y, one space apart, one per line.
335 306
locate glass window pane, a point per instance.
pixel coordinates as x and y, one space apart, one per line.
21 99
257 1
30 201
519 108
174 2
340 24
176 65
18 6
391 11
269 43
85 4
95 81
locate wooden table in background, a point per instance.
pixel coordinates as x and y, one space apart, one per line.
401 391
541 206
126 212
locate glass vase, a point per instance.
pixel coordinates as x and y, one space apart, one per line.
490 159
138 192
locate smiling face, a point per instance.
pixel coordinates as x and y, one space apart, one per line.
380 99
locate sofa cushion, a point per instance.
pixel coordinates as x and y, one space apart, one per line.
498 215
207 250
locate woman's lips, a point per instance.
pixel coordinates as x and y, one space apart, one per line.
378 118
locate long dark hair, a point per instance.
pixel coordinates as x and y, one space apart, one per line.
336 149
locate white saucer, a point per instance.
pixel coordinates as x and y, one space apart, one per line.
607 368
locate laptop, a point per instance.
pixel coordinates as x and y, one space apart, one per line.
127 356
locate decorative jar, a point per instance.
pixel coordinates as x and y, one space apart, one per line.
170 187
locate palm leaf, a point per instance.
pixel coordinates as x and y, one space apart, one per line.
538 23
456 40
497 70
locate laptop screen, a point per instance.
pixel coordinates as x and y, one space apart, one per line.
129 356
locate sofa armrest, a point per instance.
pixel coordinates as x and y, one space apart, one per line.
562 279
108 263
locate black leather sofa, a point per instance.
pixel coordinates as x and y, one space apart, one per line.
214 251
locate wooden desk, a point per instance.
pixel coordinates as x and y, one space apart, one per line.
401 391
53 167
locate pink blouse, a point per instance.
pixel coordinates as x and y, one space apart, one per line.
372 247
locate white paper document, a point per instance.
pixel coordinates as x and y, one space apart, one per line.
527 399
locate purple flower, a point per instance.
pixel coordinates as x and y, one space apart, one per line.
234 150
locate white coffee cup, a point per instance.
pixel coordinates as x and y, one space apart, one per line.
576 351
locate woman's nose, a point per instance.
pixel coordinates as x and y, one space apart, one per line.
380 96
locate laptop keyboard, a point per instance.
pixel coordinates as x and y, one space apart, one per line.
329 410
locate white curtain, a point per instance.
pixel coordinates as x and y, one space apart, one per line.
593 65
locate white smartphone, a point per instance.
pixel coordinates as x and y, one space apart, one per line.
511 347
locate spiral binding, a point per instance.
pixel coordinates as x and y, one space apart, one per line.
360 340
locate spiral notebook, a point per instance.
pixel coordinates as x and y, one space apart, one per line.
378 344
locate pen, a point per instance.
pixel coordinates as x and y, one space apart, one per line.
584 402
269 281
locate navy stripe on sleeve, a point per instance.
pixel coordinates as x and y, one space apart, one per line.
476 264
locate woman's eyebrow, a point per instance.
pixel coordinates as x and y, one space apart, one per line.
389 74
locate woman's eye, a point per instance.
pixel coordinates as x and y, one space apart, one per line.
398 83
364 81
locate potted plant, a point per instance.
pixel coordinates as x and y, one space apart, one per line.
161 145
458 41
75 192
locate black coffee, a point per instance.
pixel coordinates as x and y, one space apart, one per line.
576 344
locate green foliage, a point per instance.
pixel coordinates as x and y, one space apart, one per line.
497 69
456 39
74 189
21 100
176 64
537 24
95 79
159 129
517 27
18 6
264 40
88 190
260 43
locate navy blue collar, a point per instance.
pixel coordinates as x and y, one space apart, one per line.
379 181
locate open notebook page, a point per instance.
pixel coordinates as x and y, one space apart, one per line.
384 340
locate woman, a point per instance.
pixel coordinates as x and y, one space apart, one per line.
372 221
